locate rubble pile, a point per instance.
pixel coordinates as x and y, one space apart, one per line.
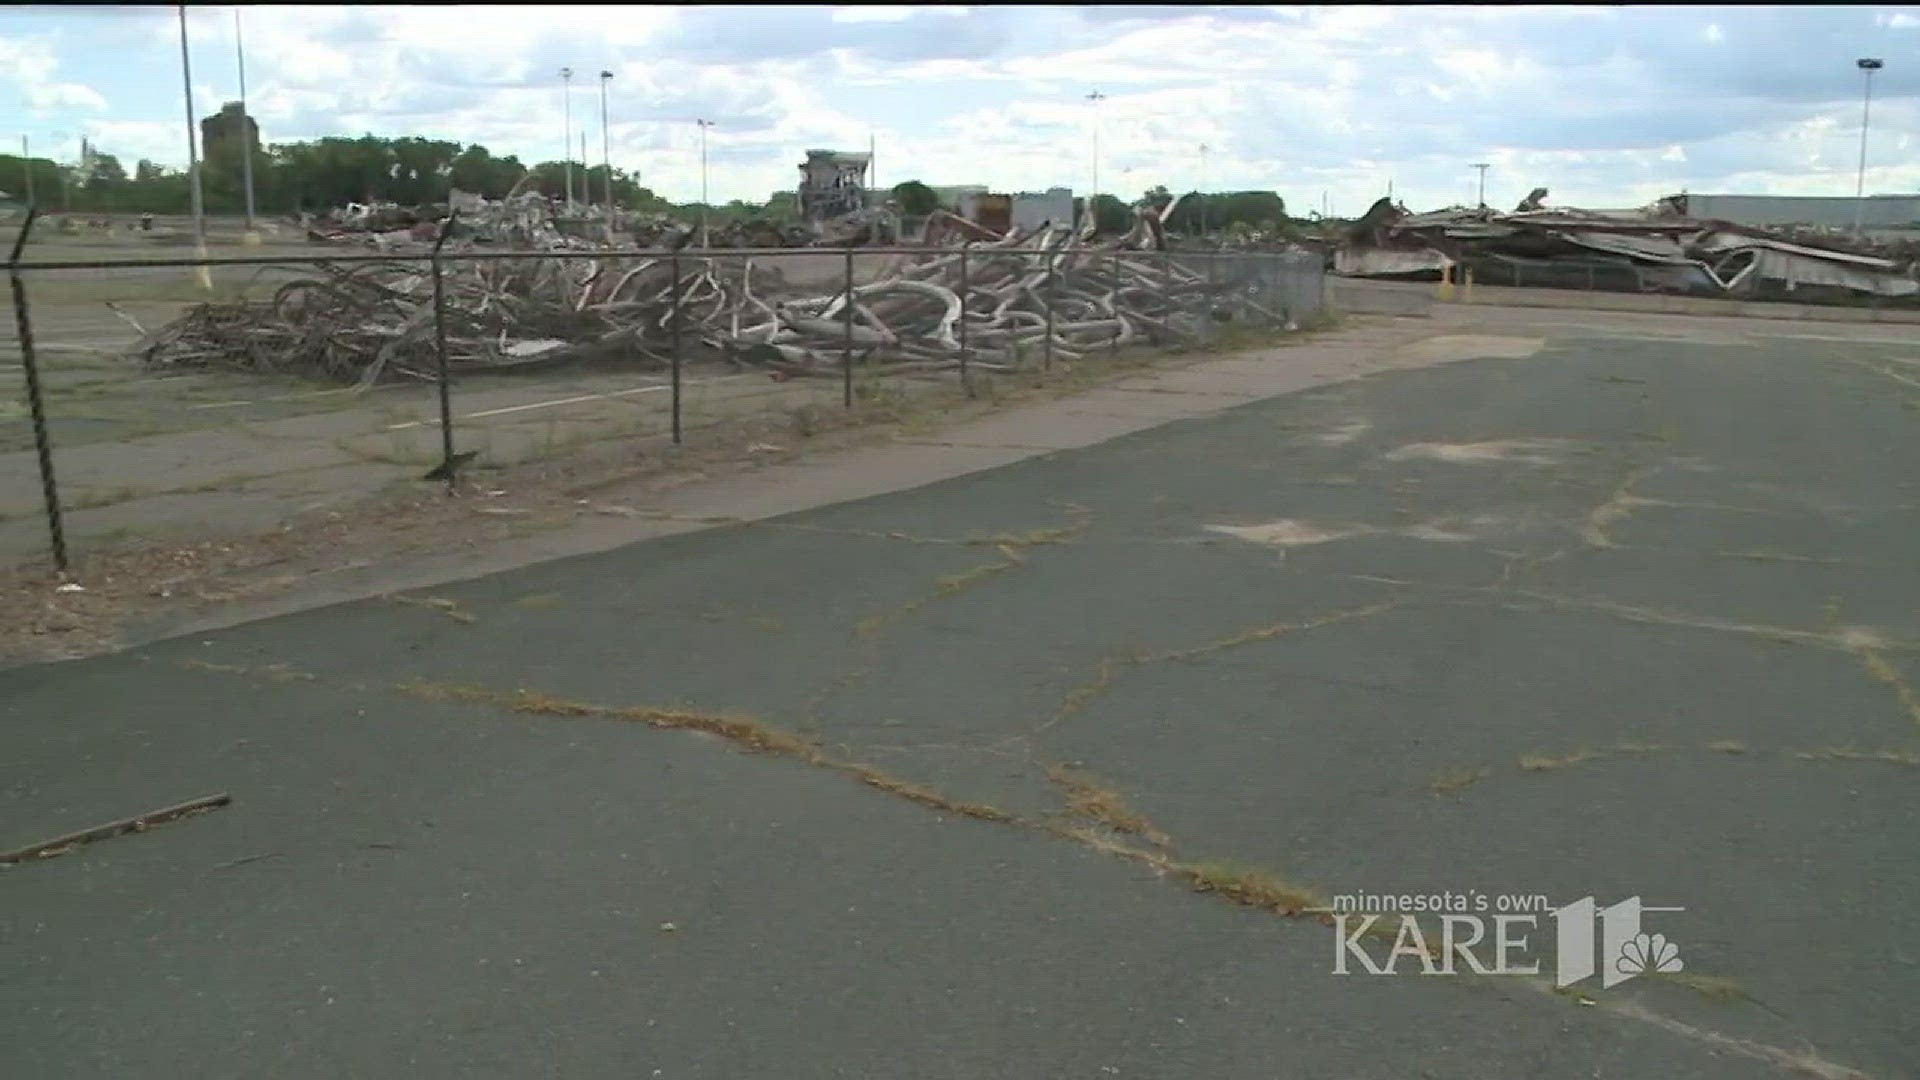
1651 249
375 322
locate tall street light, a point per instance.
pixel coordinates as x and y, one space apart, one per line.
1096 97
193 160
606 153
1482 166
566 134
704 125
246 137
1867 66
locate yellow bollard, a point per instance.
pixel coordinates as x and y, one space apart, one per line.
250 238
1466 285
1444 290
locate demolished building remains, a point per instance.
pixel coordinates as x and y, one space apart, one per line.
1657 248
833 183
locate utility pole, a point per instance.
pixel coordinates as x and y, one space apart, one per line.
566 132
1867 66
606 152
26 162
1482 166
193 159
873 174
246 133
1203 189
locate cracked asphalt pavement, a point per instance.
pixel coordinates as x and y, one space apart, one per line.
1628 616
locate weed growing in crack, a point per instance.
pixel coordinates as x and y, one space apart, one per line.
1897 756
1543 763
1252 887
1088 799
1455 779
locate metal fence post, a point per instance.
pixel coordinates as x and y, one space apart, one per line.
49 490
1053 299
440 353
673 264
846 344
1213 296
966 286
1113 302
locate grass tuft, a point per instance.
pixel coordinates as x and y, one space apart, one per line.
1088 799
1251 887
1542 763
1454 779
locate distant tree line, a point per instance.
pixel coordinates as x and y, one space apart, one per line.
322 174
333 171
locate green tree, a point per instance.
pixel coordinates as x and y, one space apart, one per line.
915 198
475 169
1110 215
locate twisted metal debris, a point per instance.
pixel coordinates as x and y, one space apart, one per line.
999 303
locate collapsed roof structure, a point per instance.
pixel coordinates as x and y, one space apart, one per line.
1657 248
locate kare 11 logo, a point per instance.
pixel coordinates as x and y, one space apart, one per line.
1491 935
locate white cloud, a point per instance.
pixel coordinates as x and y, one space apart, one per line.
1300 100
876 13
64 96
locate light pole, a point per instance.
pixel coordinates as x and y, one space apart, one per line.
26 159
566 133
1096 97
193 160
246 140
606 153
1867 65
1482 166
704 125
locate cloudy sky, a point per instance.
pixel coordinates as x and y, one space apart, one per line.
1604 106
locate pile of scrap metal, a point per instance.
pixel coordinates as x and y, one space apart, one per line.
999 303
1651 249
362 222
524 219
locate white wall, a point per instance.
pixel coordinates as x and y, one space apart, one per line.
1030 211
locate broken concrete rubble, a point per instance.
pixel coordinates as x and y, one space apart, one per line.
1650 249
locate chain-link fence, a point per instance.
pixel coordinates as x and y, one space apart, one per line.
161 399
